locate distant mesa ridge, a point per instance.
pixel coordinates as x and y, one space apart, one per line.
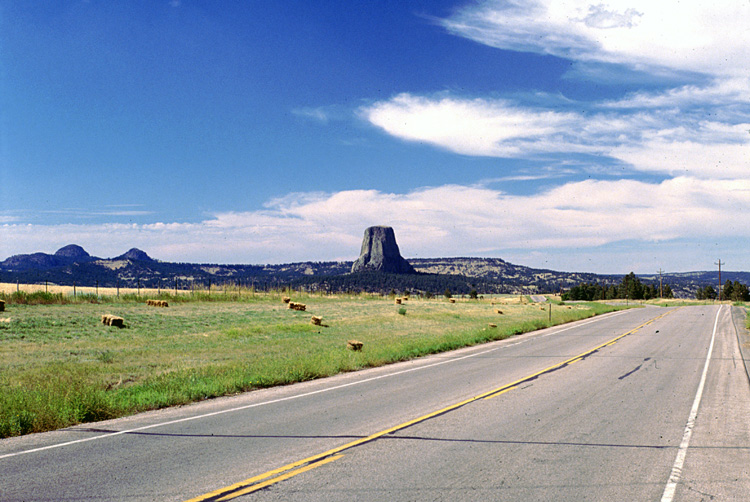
380 253
73 265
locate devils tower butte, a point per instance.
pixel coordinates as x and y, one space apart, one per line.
380 253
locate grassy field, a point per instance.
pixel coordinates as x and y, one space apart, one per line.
59 365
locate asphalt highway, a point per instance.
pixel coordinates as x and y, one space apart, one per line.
645 404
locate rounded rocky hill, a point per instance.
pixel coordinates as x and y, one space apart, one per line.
135 254
73 252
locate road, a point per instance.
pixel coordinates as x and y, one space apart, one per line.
645 404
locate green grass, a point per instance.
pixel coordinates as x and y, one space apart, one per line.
60 366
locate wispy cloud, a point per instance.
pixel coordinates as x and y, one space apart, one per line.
719 92
91 213
322 114
317 114
520 177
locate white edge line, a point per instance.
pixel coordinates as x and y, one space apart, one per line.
679 462
307 394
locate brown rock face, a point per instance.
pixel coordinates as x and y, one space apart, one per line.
380 253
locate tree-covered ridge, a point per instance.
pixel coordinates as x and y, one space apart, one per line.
380 282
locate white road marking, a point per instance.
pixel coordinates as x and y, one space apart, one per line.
679 462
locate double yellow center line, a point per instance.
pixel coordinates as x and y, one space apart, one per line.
290 470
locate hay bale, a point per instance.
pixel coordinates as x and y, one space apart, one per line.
398 301
452 300
164 303
493 325
297 306
285 299
113 320
354 345
2 305
116 321
316 320
499 311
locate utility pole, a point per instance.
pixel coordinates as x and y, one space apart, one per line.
719 264
661 288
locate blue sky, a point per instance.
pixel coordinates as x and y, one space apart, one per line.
581 136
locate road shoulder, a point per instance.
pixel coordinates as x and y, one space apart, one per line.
739 315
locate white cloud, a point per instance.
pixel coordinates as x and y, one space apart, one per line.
599 17
689 158
667 142
449 220
711 38
486 127
720 92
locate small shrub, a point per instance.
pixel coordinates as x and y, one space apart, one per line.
402 311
